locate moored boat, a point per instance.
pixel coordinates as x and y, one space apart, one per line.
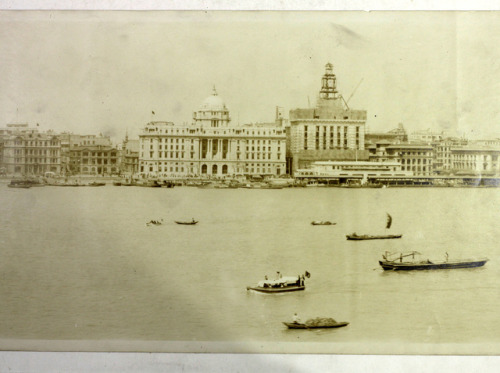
281 284
322 222
192 222
397 264
317 323
360 237
19 184
96 184
271 186
25 183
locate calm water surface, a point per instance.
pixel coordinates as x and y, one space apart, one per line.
80 263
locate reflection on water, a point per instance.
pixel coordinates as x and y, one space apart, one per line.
80 263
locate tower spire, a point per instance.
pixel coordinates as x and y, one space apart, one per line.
214 91
328 84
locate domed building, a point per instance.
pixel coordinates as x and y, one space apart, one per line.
212 112
211 147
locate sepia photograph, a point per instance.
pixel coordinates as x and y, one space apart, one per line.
252 182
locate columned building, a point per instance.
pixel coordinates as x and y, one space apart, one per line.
211 146
329 131
27 151
476 160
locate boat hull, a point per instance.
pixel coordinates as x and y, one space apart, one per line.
381 237
186 223
389 266
322 223
292 325
284 289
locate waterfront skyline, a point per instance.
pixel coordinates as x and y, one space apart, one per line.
107 72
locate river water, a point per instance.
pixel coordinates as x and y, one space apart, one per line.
81 264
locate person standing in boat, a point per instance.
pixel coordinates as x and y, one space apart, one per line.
295 318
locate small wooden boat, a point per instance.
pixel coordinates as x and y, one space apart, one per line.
96 184
19 185
271 186
154 222
361 237
398 264
322 222
24 183
192 222
281 284
292 325
316 323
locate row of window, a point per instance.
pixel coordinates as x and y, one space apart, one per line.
171 141
94 169
96 154
36 143
414 160
36 160
236 131
97 161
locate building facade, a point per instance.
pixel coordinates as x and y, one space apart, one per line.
476 160
414 158
129 163
30 152
94 160
330 131
71 143
211 146
443 159
347 171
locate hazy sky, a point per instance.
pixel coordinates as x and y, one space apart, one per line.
105 72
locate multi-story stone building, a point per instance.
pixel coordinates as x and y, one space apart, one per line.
412 157
26 151
94 160
443 161
476 159
73 142
329 131
129 164
211 146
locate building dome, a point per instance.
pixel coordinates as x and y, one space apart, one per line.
213 103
